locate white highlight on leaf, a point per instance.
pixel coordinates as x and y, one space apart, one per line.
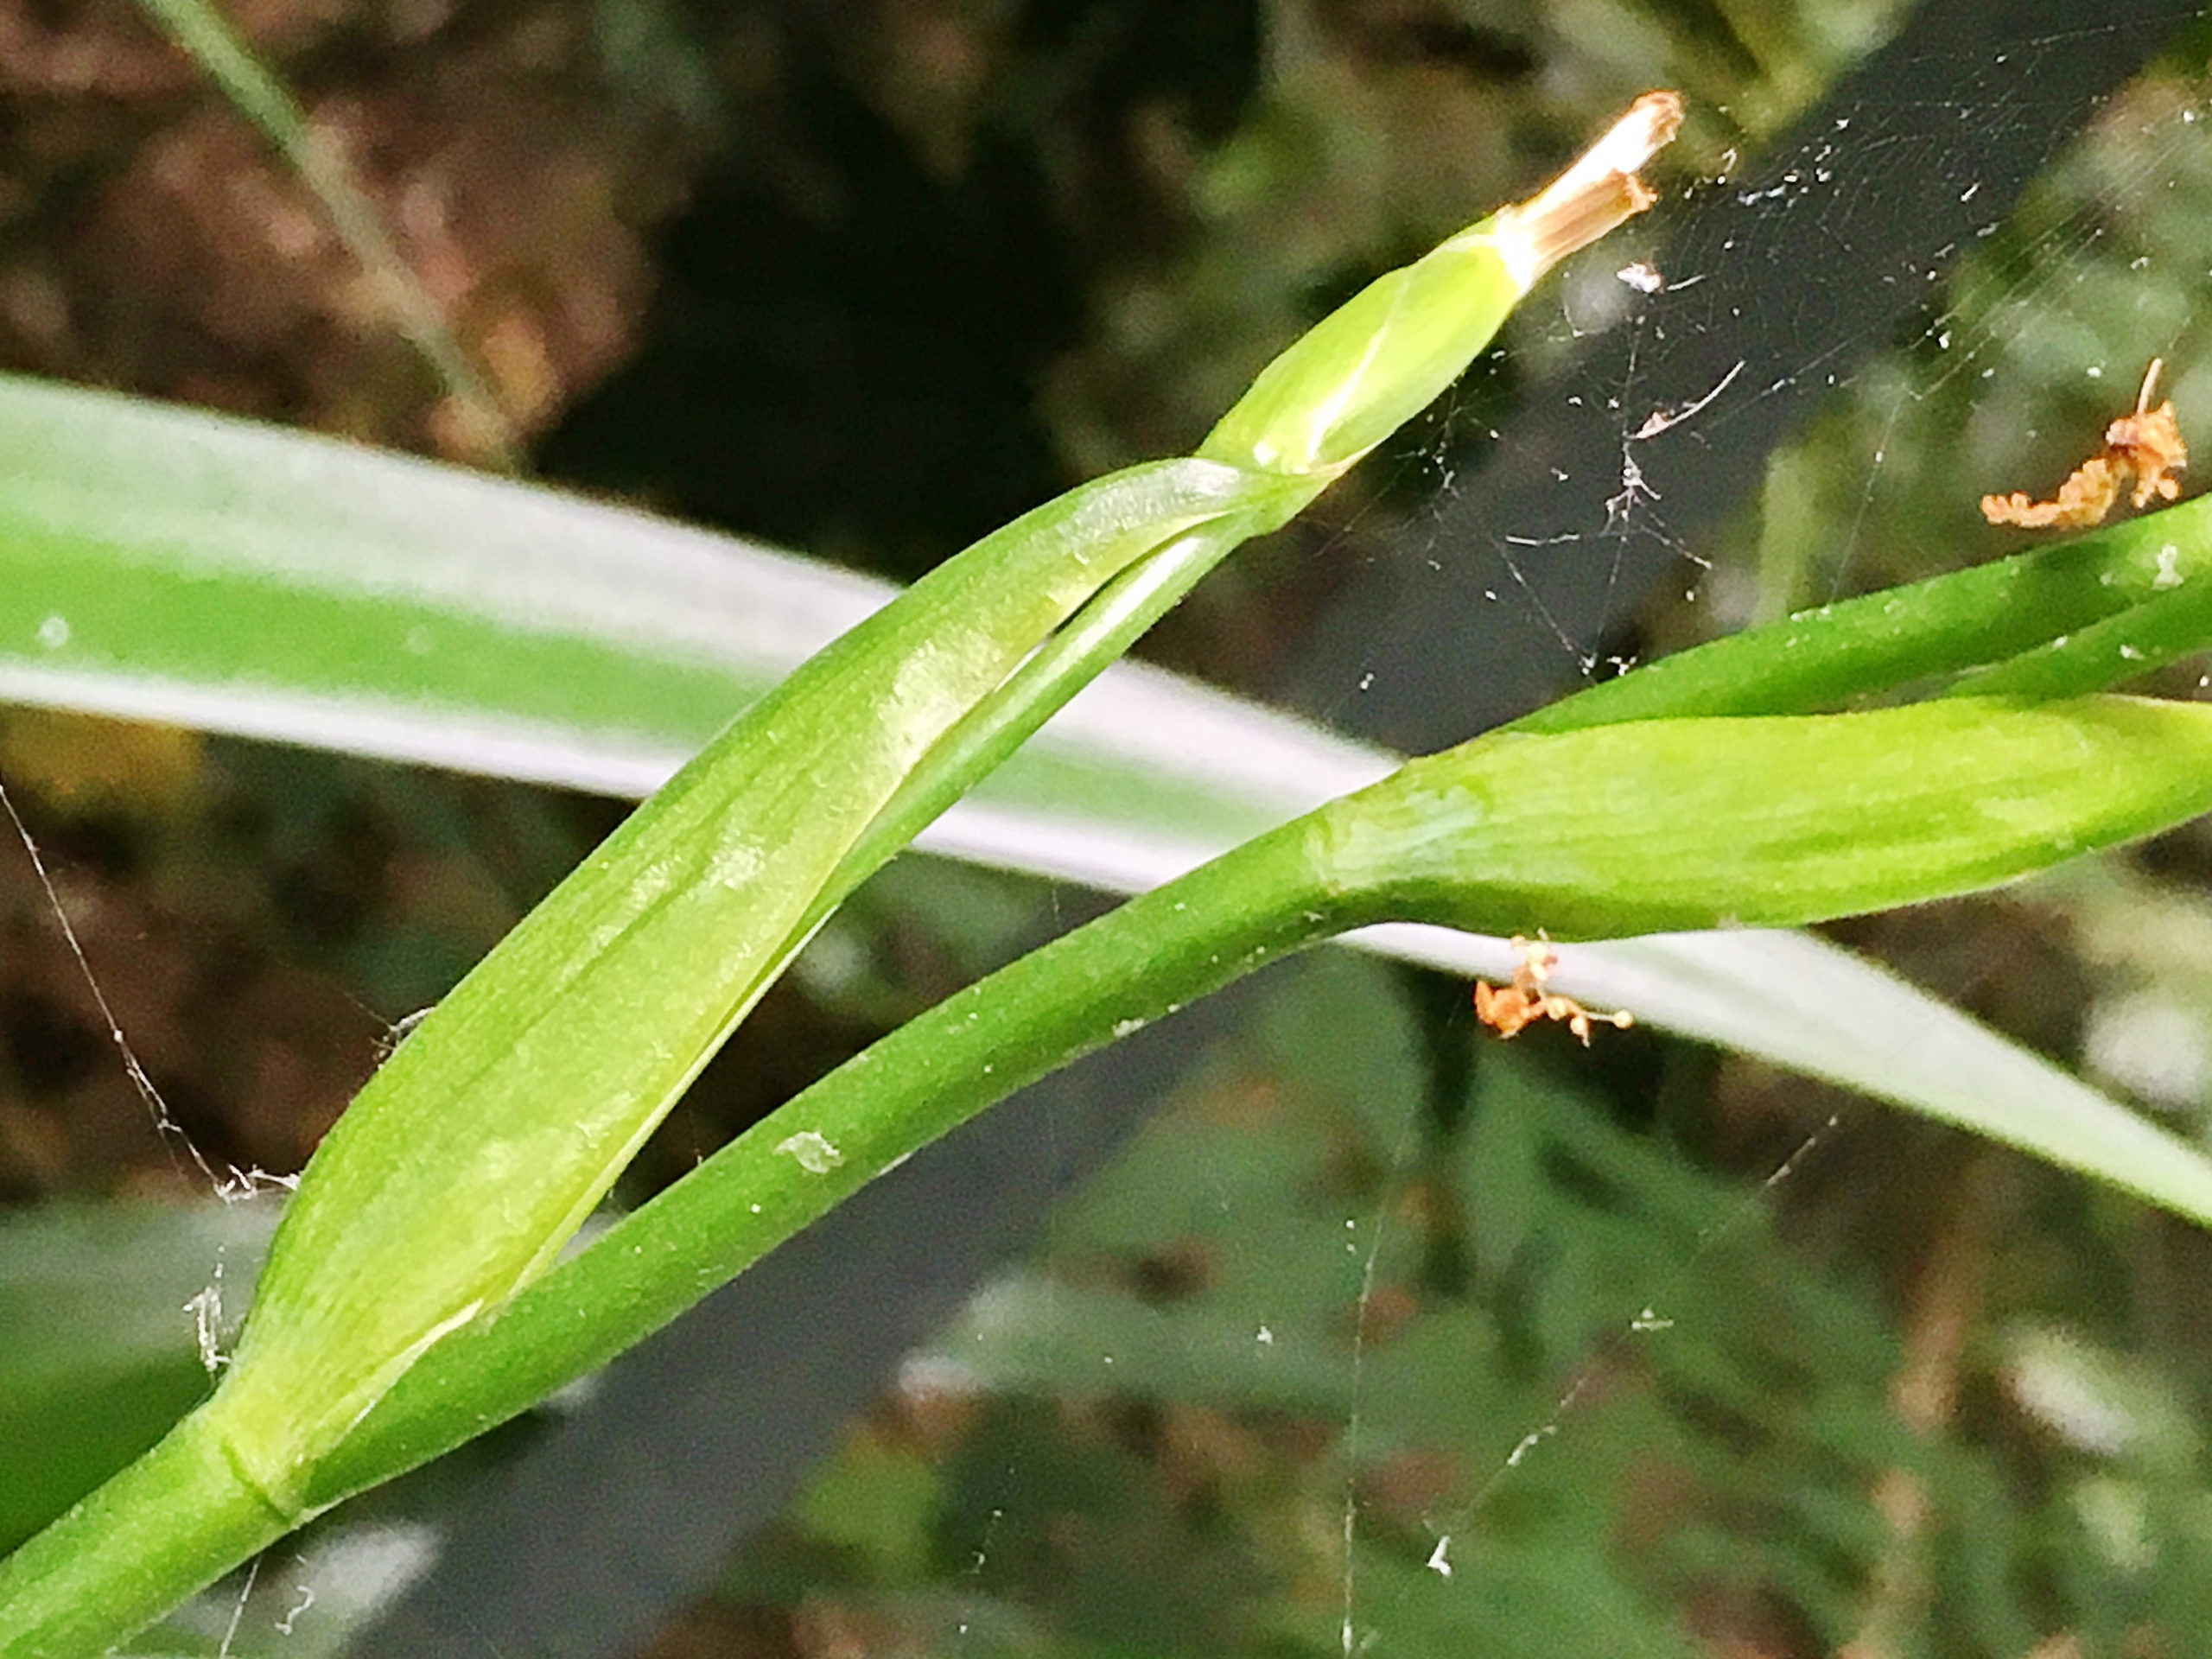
736 864
54 633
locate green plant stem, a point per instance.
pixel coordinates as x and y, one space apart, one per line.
1143 960
114 1561
1607 831
2159 631
1949 624
1859 811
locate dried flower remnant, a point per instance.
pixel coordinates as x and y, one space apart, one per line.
1599 192
1509 1009
2146 446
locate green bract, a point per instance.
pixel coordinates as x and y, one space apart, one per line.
527 1083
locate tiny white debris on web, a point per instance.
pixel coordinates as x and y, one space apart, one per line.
1643 278
1529 1442
814 1156
1436 1562
291 1613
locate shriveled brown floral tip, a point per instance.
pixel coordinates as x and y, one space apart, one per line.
1599 192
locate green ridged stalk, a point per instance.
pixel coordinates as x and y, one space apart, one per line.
2063 620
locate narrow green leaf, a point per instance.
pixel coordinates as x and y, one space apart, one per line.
167 564
2161 629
